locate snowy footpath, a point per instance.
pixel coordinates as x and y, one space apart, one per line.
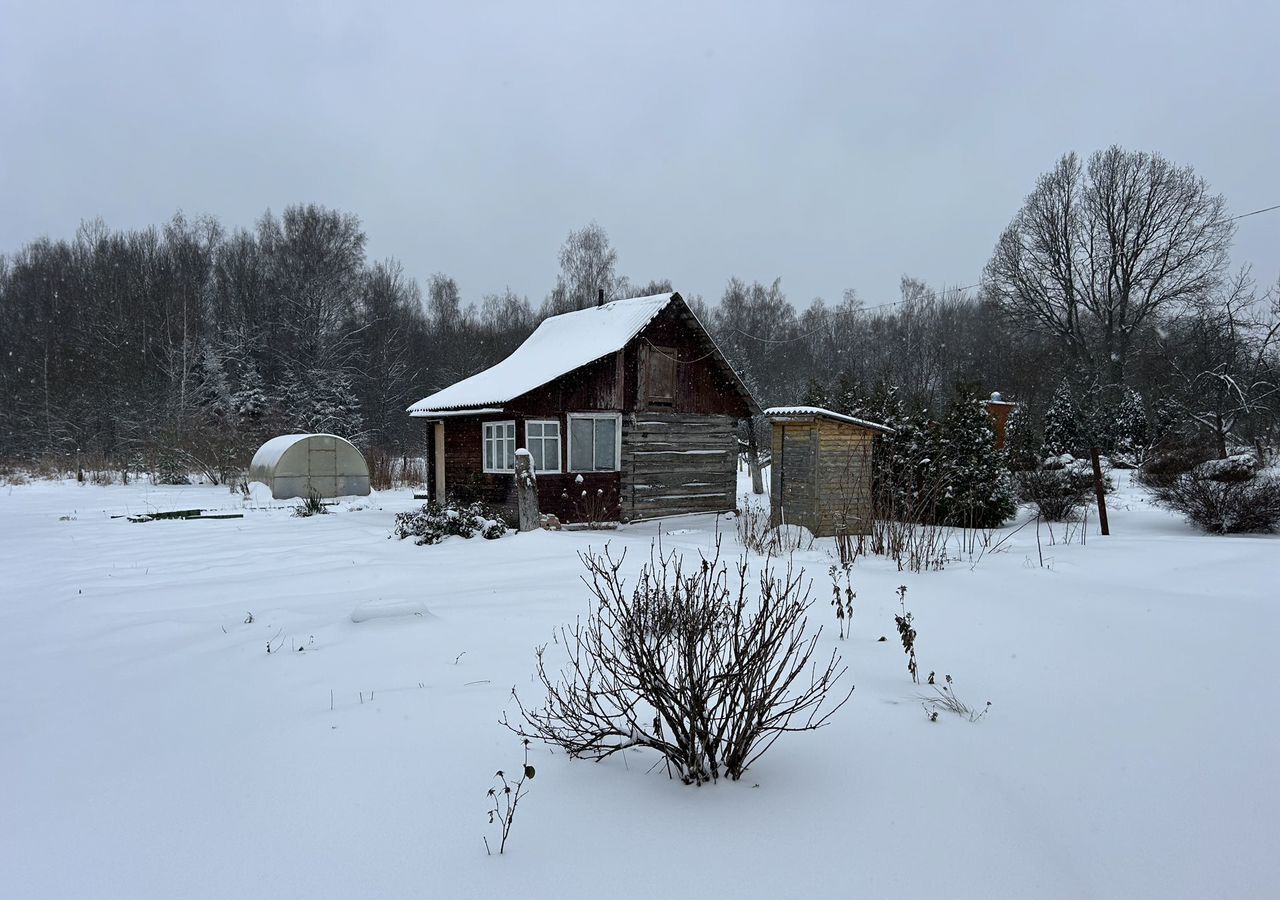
151 747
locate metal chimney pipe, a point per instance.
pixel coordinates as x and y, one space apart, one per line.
600 297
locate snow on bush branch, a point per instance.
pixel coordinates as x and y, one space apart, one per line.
434 522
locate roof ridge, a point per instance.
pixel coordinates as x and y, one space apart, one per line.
559 345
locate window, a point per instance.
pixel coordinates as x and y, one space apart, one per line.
593 442
499 446
543 440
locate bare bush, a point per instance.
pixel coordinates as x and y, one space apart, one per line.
413 471
1220 507
1162 469
906 529
1057 494
706 675
756 534
380 464
388 472
1240 467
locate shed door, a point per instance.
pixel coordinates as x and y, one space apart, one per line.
797 475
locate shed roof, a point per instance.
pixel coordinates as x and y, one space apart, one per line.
558 346
817 412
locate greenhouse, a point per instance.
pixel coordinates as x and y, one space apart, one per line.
300 465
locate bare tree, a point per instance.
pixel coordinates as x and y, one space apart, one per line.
1098 250
1222 355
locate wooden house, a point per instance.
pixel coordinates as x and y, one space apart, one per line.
821 470
627 408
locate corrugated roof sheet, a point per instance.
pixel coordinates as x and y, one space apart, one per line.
558 346
784 411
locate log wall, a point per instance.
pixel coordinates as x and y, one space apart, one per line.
677 463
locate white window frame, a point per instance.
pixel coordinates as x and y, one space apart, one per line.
559 439
616 418
484 445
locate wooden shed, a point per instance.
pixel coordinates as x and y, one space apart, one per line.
821 475
628 404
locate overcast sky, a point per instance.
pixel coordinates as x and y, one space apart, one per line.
831 145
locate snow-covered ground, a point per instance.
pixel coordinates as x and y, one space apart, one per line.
150 747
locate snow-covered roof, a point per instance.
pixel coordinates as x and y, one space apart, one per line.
558 346
787 411
269 454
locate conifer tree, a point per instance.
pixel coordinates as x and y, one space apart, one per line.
1062 426
1024 445
975 487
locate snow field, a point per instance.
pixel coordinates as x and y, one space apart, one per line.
151 747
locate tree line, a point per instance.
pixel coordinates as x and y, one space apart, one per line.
184 346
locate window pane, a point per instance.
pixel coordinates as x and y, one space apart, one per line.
552 450
543 441
547 455
580 431
499 446
606 442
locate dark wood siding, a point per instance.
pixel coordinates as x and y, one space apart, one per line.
592 388
465 478
673 464
558 494
704 386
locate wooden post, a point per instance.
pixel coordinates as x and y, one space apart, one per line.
438 439
753 458
527 491
1097 487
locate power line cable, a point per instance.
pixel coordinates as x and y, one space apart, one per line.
1254 213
